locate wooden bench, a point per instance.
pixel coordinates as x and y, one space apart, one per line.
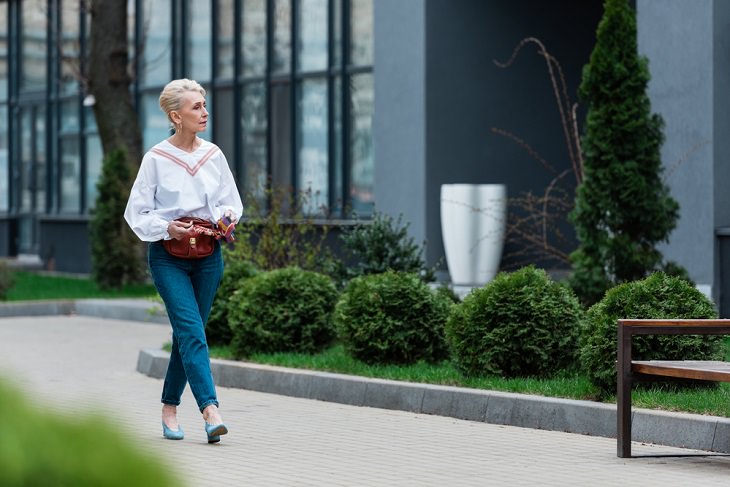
635 370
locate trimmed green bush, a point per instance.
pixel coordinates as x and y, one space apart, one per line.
393 317
284 310
37 448
657 296
522 324
236 271
6 281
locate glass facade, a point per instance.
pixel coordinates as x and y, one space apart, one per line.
290 91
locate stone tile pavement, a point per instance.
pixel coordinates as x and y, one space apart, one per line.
75 364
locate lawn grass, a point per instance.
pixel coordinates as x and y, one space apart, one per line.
713 401
36 286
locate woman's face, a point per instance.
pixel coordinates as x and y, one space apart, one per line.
193 115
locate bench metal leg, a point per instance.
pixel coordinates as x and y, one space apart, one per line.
623 393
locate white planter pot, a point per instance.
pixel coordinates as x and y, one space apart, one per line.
473 221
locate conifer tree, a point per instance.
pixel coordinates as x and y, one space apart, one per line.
115 250
623 208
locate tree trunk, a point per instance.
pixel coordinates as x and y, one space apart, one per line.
109 81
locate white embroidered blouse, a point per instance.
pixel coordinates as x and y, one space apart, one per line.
172 183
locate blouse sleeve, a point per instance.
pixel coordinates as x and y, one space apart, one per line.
140 214
229 198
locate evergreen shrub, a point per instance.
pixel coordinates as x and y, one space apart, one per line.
116 252
393 317
657 296
236 271
41 449
623 207
381 245
521 324
284 310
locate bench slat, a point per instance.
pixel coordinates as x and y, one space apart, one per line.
684 369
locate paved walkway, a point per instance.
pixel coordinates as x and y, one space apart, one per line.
77 362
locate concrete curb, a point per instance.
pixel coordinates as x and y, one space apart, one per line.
141 310
685 430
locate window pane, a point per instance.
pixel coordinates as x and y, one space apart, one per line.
254 37
198 37
4 159
155 126
70 47
282 37
224 28
337 163
223 124
33 45
313 31
40 159
281 135
255 125
362 173
94 156
336 33
361 29
313 174
69 116
26 160
3 55
90 120
70 174
157 35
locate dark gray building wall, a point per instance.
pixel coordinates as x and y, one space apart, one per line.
438 94
681 40
399 123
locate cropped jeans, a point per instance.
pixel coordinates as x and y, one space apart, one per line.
187 286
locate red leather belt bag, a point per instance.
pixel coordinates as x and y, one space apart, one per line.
199 243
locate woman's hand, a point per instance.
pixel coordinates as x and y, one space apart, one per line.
231 216
178 230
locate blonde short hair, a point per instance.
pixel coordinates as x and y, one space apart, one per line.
171 96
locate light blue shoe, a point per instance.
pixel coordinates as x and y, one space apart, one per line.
215 431
172 434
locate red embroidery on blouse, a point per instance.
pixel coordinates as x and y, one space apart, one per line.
192 171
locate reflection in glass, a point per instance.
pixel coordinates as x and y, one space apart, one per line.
70 174
40 159
312 35
26 159
255 126
336 33
253 42
361 30
282 37
33 45
224 28
155 126
281 149
312 146
69 47
157 34
224 133
3 54
337 156
94 156
198 37
69 116
362 172
4 159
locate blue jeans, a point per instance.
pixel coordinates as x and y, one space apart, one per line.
187 286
